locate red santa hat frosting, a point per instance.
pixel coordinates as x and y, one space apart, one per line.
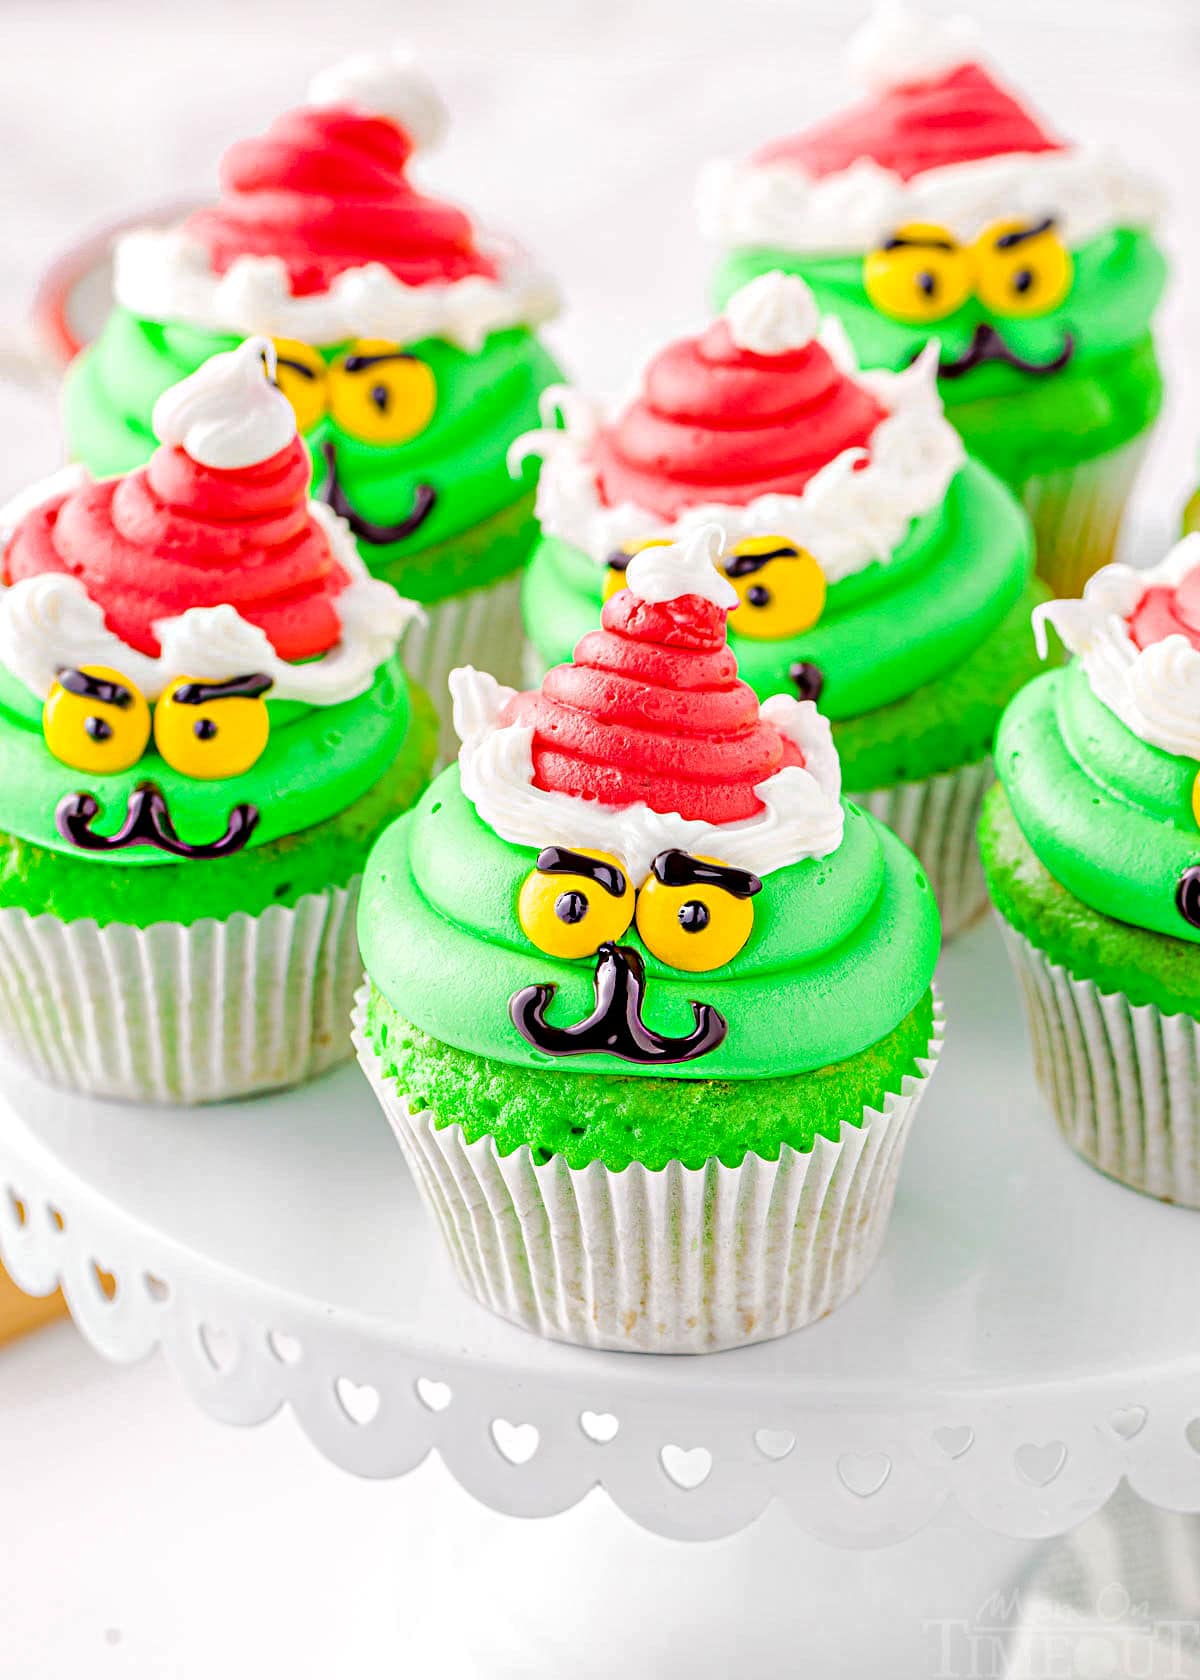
320 235
649 739
938 139
763 424
208 562
1137 635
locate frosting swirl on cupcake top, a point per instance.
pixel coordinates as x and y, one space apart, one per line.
640 870
181 647
1100 760
763 424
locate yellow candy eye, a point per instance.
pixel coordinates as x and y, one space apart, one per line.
617 563
300 373
1196 800
95 719
212 730
1022 268
695 913
379 393
781 588
574 901
920 274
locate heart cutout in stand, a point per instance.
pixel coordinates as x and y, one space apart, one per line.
220 1347
434 1396
1129 1421
1192 1433
774 1443
359 1401
285 1348
863 1474
687 1467
954 1440
599 1426
1040 1464
517 1442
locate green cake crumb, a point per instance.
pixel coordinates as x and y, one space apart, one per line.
619 1119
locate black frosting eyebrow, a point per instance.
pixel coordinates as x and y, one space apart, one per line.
298 367
919 242
559 860
233 688
676 868
357 364
1018 236
95 688
741 565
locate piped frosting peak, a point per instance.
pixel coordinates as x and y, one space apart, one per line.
229 413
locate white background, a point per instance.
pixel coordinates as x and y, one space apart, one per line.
138 1538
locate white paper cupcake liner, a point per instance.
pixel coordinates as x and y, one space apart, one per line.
1077 514
480 627
681 1260
937 818
1123 1079
182 1014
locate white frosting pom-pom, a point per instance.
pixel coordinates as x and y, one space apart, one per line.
229 413
898 45
773 314
386 84
689 567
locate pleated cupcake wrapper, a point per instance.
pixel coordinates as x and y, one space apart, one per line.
1123 1079
480 627
937 819
681 1260
182 1014
1077 514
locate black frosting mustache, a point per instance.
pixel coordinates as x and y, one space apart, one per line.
369 530
987 346
148 823
615 1027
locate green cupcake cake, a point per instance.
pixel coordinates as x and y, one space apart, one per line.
203 726
404 340
1091 847
876 569
650 1008
939 207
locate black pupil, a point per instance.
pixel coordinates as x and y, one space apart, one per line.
694 917
204 729
570 907
380 396
98 729
1022 280
927 283
758 595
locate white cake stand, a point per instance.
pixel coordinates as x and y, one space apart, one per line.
1030 1338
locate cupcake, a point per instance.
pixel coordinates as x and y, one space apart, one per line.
404 340
649 1007
203 726
876 569
940 207
1092 854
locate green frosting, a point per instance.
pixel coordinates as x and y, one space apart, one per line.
1153 968
949 722
1020 424
1109 817
919 654
329 853
618 1120
842 949
485 400
318 760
